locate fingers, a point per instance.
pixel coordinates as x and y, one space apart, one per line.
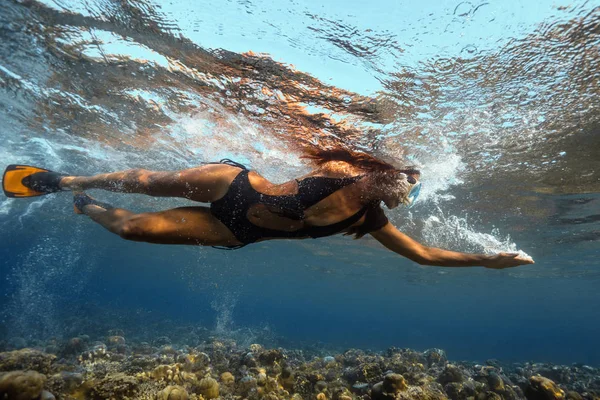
518 256
526 259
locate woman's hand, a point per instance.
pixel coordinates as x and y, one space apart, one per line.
507 260
399 243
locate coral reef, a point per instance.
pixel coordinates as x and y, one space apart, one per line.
20 385
26 359
219 368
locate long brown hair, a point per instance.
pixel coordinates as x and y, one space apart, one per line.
357 159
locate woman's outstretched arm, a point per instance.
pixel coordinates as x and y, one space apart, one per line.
400 243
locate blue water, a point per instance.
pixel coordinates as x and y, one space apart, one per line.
498 104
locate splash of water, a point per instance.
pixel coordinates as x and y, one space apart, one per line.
454 232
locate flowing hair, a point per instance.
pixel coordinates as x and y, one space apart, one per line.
357 159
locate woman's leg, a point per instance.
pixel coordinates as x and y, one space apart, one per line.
205 184
184 225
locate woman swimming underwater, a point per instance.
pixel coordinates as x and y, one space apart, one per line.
341 195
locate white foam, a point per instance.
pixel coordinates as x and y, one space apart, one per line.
453 232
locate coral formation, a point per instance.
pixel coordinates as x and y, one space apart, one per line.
173 393
227 378
541 388
26 359
163 369
20 385
208 387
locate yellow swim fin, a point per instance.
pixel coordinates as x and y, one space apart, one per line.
28 181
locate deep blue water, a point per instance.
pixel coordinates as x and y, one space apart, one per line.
473 314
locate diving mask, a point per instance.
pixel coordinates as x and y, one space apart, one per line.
413 195
410 186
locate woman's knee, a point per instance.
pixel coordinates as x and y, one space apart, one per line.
132 230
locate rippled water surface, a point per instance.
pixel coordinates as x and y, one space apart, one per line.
498 102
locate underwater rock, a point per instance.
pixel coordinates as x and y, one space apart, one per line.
369 372
377 392
495 382
286 378
256 348
488 396
269 357
250 360
394 383
227 378
167 349
389 387
451 374
114 386
435 357
140 363
427 392
571 395
171 373
117 343
26 359
65 382
541 388
320 386
46 395
173 393
247 384
199 361
115 340
459 390
21 385
73 346
261 378
331 375
556 373
97 352
208 387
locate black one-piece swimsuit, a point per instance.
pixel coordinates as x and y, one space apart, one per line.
232 208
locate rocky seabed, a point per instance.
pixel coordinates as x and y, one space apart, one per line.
114 368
